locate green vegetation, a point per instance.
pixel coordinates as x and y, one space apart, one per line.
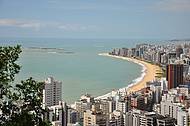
164 73
20 105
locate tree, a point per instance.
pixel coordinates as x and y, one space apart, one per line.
8 70
30 92
20 105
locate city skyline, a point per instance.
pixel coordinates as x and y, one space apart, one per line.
95 63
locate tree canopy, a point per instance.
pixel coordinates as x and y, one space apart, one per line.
20 105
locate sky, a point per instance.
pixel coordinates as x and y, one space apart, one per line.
132 19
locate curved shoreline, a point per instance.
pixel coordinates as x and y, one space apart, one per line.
148 73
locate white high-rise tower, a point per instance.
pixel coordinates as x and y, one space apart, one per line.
52 92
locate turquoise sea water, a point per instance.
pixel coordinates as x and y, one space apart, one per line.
82 71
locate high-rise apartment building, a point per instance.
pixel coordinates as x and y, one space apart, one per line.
174 75
148 119
57 114
72 116
122 105
179 51
92 118
182 118
165 121
52 92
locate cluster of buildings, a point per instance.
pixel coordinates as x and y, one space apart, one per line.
154 105
52 101
171 56
158 54
164 101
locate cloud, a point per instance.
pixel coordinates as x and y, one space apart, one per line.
37 25
173 5
77 27
20 23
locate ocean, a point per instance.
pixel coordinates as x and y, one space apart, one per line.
78 65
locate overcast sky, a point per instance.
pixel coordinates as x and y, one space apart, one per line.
135 19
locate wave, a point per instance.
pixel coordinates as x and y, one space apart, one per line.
52 52
134 82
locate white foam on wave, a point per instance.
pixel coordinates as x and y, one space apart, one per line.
134 82
52 52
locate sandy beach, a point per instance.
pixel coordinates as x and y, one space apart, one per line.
148 74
